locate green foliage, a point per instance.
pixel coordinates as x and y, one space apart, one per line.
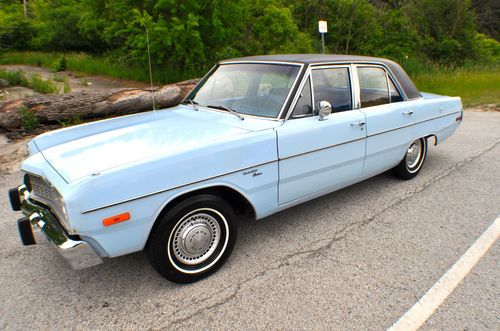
29 121
35 82
476 85
56 23
15 78
487 49
60 64
60 78
187 37
66 87
16 32
70 122
40 85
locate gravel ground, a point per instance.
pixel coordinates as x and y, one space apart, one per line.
358 258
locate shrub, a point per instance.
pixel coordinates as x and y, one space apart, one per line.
66 87
40 85
29 121
60 64
70 122
15 78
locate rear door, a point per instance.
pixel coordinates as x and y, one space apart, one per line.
320 156
389 119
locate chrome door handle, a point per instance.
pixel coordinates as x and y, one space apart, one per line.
409 112
360 123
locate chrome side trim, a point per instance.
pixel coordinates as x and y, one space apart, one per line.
246 168
263 62
368 136
406 126
306 76
320 149
174 187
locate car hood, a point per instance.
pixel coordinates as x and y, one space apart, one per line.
96 147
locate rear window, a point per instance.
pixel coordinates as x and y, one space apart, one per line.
373 86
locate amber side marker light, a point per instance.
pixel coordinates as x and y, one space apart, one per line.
116 219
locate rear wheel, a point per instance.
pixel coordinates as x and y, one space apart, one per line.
413 161
193 239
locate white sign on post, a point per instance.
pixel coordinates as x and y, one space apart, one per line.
322 27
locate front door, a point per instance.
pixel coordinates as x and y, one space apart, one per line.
317 157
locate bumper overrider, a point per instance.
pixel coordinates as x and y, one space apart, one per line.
40 225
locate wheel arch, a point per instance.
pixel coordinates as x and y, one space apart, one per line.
434 136
240 203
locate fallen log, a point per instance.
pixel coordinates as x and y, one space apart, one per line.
52 108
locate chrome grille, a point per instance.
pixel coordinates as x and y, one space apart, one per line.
40 188
41 191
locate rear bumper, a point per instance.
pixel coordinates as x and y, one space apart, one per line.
40 225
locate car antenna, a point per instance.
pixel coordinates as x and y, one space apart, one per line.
150 71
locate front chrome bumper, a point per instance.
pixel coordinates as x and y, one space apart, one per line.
45 227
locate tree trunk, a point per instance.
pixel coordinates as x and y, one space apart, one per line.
51 108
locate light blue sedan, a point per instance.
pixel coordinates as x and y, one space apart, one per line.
257 135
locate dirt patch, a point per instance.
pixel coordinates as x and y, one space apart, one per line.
12 153
75 81
483 108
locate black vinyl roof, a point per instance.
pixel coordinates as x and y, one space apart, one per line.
404 80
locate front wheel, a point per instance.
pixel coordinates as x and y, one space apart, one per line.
413 161
193 239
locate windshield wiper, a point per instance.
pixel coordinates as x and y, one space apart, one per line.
232 111
193 103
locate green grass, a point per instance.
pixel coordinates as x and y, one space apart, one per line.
29 121
475 85
35 82
40 85
14 78
84 64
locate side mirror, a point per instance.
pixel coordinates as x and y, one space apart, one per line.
325 109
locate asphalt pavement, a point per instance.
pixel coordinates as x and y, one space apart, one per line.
358 258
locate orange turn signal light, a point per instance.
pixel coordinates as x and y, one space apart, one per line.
116 219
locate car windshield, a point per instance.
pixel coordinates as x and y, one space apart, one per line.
250 88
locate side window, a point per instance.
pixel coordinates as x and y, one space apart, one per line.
303 107
373 86
332 85
395 96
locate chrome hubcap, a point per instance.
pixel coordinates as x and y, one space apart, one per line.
413 154
196 238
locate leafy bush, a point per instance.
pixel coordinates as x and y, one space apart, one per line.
187 37
29 121
40 85
487 49
60 64
16 32
70 122
15 78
